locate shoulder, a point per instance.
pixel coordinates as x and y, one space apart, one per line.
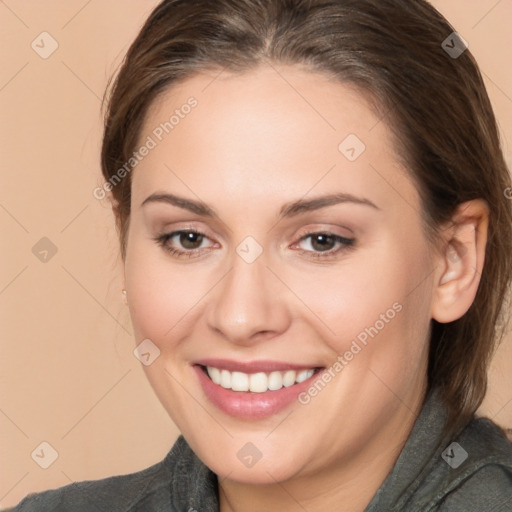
488 488
467 472
117 493
479 475
149 489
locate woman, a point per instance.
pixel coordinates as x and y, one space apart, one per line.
316 236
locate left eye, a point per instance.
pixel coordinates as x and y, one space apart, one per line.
324 242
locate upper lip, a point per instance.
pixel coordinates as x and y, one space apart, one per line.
253 366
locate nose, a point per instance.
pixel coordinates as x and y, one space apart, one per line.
249 304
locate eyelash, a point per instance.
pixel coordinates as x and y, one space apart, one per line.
163 240
346 244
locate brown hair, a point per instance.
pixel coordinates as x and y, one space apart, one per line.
436 104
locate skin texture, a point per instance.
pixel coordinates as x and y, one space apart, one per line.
253 143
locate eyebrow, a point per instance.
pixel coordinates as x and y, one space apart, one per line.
303 205
197 207
287 210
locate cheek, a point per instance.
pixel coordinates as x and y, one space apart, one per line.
164 303
162 295
375 302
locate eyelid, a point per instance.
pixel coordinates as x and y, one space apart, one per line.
189 225
162 240
344 244
328 233
176 232
326 229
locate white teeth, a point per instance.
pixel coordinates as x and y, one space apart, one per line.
214 374
289 378
303 375
239 381
275 381
257 382
225 379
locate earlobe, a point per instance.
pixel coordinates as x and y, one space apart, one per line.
123 288
460 262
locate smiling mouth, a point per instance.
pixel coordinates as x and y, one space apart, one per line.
259 382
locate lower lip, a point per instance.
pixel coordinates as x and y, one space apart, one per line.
247 405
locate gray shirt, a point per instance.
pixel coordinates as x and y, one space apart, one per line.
471 473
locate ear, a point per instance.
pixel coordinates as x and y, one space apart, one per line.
460 261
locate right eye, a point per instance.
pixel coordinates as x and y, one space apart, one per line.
191 242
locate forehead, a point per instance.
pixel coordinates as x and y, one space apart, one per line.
265 132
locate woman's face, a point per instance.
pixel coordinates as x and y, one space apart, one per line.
310 255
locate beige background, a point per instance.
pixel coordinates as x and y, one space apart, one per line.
68 376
